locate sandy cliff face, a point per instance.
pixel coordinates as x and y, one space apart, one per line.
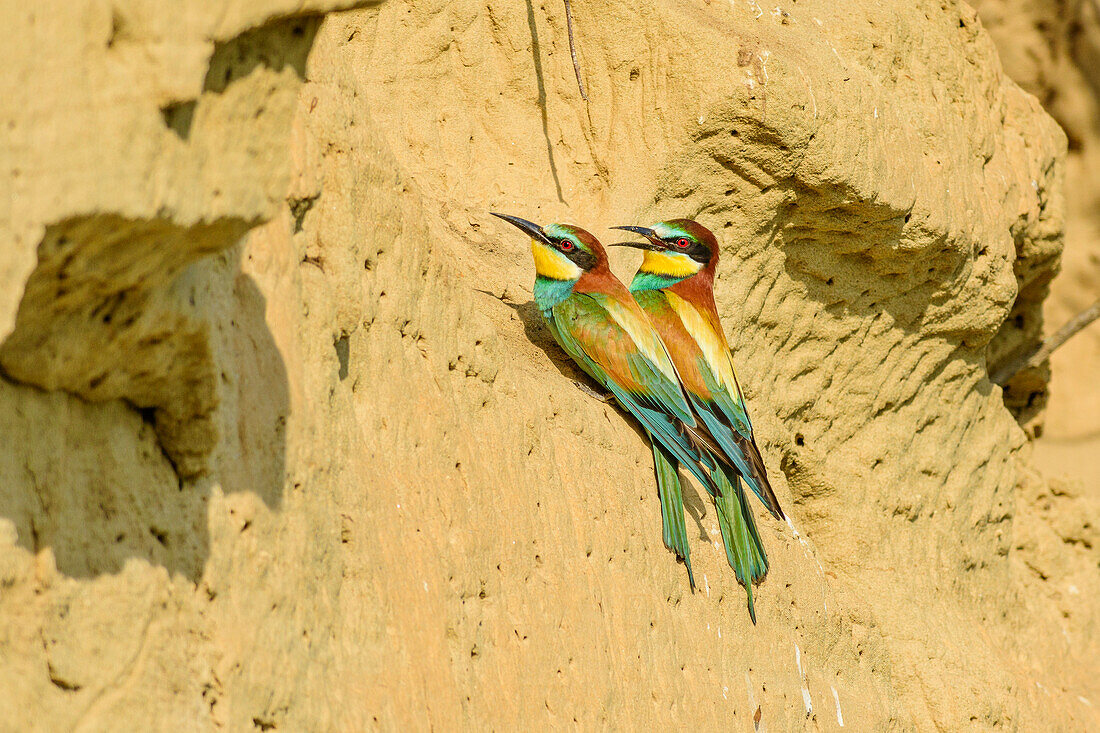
286 447
1052 50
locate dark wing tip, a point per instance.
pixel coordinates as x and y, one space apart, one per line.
760 474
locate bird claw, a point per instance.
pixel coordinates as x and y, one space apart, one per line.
604 398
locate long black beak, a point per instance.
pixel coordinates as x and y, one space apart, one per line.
638 245
644 231
530 227
654 242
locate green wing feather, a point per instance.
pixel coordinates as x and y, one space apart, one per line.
661 386
672 508
744 550
581 325
734 435
732 406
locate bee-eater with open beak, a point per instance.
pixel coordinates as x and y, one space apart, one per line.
674 286
594 318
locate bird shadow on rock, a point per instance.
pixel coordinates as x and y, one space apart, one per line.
534 327
537 333
90 482
695 505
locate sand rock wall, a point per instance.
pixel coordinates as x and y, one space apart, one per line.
1051 50
285 446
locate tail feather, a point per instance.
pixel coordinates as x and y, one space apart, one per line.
744 549
672 508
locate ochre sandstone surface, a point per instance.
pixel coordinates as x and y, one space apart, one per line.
1053 51
284 446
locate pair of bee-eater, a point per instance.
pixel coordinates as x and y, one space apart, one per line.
659 349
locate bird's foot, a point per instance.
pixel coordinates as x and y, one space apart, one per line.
604 398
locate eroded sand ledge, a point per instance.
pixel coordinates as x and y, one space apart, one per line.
284 446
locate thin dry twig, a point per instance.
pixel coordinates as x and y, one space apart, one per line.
573 49
1047 348
604 398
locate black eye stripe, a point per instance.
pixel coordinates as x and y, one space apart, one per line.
695 250
582 258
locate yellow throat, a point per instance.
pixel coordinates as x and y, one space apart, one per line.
553 264
669 264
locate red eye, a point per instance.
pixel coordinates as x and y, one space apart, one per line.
682 243
566 245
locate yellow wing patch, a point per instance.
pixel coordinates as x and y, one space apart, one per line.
644 335
669 264
713 345
553 264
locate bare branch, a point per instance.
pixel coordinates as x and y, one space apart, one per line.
604 398
1047 348
573 49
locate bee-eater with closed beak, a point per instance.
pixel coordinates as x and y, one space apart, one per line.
594 318
674 286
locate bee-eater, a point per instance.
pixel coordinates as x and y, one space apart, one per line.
674 286
594 318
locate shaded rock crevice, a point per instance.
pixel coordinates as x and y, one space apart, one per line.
100 320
